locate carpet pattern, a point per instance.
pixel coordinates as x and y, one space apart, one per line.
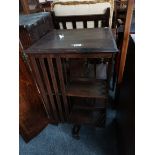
58 140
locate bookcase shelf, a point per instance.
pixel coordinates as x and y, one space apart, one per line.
88 103
94 118
90 89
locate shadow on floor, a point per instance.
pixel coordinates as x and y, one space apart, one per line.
57 140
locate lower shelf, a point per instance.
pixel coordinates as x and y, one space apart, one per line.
91 89
94 118
92 104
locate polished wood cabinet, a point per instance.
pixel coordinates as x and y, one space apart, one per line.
32 116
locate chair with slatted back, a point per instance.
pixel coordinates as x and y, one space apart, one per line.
69 14
81 21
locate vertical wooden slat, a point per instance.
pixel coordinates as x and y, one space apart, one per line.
96 23
55 86
40 84
85 24
45 75
74 24
65 71
107 17
64 25
25 6
25 38
56 23
60 74
95 70
125 39
102 23
109 70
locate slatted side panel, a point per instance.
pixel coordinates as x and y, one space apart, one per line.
61 78
109 70
49 75
55 86
36 71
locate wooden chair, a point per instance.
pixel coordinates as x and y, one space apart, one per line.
60 22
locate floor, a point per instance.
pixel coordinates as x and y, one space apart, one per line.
57 140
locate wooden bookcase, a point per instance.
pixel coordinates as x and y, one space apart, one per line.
69 76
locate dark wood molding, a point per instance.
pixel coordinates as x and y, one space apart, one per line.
25 6
125 39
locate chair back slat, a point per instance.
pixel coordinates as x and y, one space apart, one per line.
64 25
74 24
85 24
96 23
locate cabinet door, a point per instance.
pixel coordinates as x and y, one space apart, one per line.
32 116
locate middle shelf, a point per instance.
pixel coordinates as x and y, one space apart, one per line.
87 88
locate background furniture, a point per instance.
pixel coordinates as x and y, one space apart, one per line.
33 26
29 6
80 8
100 20
121 9
34 6
24 7
46 5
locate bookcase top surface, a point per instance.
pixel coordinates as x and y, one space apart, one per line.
76 41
